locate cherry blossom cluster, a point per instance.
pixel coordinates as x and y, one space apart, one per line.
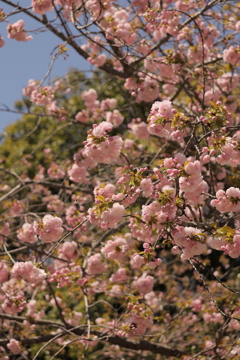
190 240
42 96
139 128
66 275
97 110
101 147
28 272
108 217
41 7
192 185
27 234
227 201
227 240
231 55
16 31
115 249
145 89
161 121
50 229
136 235
225 148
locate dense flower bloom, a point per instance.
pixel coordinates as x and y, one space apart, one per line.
139 128
50 229
114 215
137 261
42 6
101 147
231 55
144 284
115 249
65 275
28 272
42 96
119 276
193 184
144 184
190 240
227 201
89 96
147 187
68 250
14 304
78 174
27 234
96 265
159 119
230 153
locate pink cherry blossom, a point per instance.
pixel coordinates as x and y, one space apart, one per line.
147 187
16 31
162 108
193 185
14 346
115 249
100 146
96 265
125 234
42 96
144 284
97 60
119 276
139 128
102 129
190 240
55 172
68 250
42 6
65 275
114 117
14 304
28 272
114 215
32 85
78 174
227 201
137 325
231 55
50 229
27 234
89 96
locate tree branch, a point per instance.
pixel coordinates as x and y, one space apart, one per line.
106 337
108 69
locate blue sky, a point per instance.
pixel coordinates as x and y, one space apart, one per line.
21 61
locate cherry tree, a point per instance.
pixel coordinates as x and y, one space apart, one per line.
124 241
